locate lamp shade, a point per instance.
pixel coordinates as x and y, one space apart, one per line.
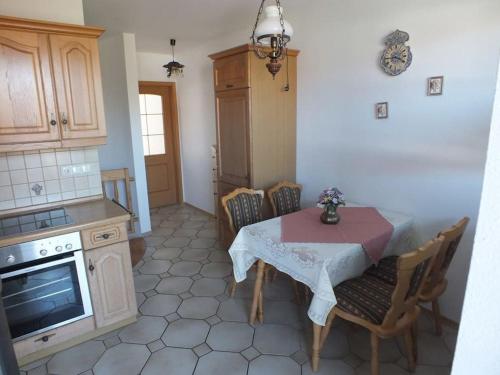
270 24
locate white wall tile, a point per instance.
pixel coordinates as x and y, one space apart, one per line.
63 157
39 199
35 174
4 178
50 173
21 191
67 184
15 162
33 191
91 155
68 195
54 197
83 193
32 160
81 182
23 202
77 156
48 158
18 176
52 187
94 180
7 205
4 166
6 193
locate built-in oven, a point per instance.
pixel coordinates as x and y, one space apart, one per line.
44 284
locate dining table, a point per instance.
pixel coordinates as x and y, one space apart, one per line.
319 255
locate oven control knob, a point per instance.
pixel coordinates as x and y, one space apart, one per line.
58 249
43 252
10 259
68 246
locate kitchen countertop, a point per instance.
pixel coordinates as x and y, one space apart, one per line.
85 215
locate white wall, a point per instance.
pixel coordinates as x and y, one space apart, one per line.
427 159
477 350
67 11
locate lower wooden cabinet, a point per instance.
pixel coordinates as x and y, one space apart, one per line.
109 273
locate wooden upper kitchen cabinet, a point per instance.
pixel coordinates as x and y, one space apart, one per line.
256 124
50 85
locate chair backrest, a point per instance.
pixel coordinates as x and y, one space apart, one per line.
284 198
243 207
452 237
114 176
412 270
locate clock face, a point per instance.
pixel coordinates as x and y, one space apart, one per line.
395 59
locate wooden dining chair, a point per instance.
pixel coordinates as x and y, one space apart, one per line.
385 309
243 207
284 198
436 283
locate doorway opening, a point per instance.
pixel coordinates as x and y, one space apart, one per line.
160 139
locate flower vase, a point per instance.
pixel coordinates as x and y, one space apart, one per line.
330 215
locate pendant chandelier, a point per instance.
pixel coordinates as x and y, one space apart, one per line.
271 35
174 68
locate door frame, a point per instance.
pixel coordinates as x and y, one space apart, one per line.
170 86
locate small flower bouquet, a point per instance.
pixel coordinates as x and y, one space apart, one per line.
329 200
331 196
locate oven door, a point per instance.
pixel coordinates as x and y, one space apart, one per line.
46 295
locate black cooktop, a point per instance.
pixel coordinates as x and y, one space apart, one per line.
32 222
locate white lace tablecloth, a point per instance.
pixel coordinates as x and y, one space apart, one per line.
320 266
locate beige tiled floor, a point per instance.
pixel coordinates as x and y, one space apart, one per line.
188 324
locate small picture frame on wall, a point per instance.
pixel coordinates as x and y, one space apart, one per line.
381 110
435 86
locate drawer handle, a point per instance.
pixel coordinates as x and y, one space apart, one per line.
104 236
229 86
45 338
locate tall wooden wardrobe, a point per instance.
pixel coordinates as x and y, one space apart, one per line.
256 125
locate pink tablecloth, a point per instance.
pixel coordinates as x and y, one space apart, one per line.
363 225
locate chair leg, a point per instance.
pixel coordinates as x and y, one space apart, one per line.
326 329
316 347
374 361
409 350
437 317
233 288
261 307
257 290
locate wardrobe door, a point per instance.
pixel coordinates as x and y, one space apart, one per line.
77 77
27 107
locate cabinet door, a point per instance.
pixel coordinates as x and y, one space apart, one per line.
109 271
233 118
27 103
231 72
77 77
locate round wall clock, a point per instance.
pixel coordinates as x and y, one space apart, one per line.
396 57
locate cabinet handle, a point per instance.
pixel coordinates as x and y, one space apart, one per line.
45 338
229 86
64 121
53 121
91 266
104 236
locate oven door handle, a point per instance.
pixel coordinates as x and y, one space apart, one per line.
37 267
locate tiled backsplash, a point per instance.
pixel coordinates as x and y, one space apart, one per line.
36 177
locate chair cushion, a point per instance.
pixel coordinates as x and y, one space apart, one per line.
366 297
245 209
286 200
385 270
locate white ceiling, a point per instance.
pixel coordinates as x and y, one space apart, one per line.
191 22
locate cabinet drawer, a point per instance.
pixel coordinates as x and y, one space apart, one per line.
53 337
105 235
231 72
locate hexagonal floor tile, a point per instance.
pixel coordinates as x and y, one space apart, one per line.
140 298
207 233
385 369
171 361
198 307
329 367
202 243
359 342
155 267
183 232
220 256
160 305
195 254
162 231
123 359
165 253
336 345
276 339
217 270
186 333
283 312
230 336
235 310
194 224
143 283
174 285
76 359
216 363
207 287
185 268
176 242
154 240
271 365
145 330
